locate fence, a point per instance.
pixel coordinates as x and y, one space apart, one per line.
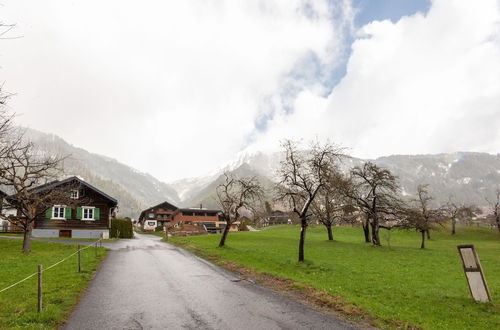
40 271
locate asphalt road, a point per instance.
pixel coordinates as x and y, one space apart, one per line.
147 284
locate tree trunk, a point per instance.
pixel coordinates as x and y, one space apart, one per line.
422 245
498 222
375 233
224 234
26 239
453 226
428 232
366 231
329 230
303 228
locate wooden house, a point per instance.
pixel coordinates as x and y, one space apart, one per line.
89 215
157 216
167 214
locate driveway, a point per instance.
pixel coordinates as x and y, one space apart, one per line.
148 284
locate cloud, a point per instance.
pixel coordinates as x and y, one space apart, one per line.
171 88
424 84
178 88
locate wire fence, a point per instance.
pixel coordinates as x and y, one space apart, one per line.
40 271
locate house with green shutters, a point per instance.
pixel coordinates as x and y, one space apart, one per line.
87 216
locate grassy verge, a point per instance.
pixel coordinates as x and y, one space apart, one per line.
62 238
62 285
400 286
76 239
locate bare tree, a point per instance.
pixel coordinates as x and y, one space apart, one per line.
22 171
330 205
456 212
235 194
374 191
495 208
423 217
302 174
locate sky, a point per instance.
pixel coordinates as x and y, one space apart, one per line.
180 88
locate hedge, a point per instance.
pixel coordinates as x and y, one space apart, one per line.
121 228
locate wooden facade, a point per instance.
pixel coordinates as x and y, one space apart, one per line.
157 216
88 215
167 214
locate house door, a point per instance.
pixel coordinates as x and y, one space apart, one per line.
65 233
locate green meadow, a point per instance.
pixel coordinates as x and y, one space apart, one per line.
62 285
398 285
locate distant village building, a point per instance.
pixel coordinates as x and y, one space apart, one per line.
199 220
156 216
89 217
277 217
5 225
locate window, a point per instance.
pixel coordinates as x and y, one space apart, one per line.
74 194
151 223
58 212
151 215
87 213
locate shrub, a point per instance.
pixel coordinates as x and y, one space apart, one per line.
121 228
243 226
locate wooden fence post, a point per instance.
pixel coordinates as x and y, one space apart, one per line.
40 270
79 260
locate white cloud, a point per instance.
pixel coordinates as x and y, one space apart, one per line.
176 89
424 84
172 88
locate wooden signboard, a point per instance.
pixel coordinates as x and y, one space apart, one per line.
474 273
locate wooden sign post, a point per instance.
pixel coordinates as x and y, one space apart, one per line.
474 273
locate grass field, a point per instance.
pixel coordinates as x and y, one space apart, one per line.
62 285
399 286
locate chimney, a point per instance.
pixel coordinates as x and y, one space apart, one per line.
201 206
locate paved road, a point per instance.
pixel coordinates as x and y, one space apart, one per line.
147 284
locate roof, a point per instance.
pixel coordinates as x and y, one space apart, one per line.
194 209
56 183
174 208
162 204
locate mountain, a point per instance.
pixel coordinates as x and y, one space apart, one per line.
134 190
206 193
466 177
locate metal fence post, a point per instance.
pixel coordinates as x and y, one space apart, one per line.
95 249
79 260
40 270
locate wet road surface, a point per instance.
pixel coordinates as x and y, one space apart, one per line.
147 284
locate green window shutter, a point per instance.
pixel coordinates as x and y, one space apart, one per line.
67 213
48 213
97 213
79 213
